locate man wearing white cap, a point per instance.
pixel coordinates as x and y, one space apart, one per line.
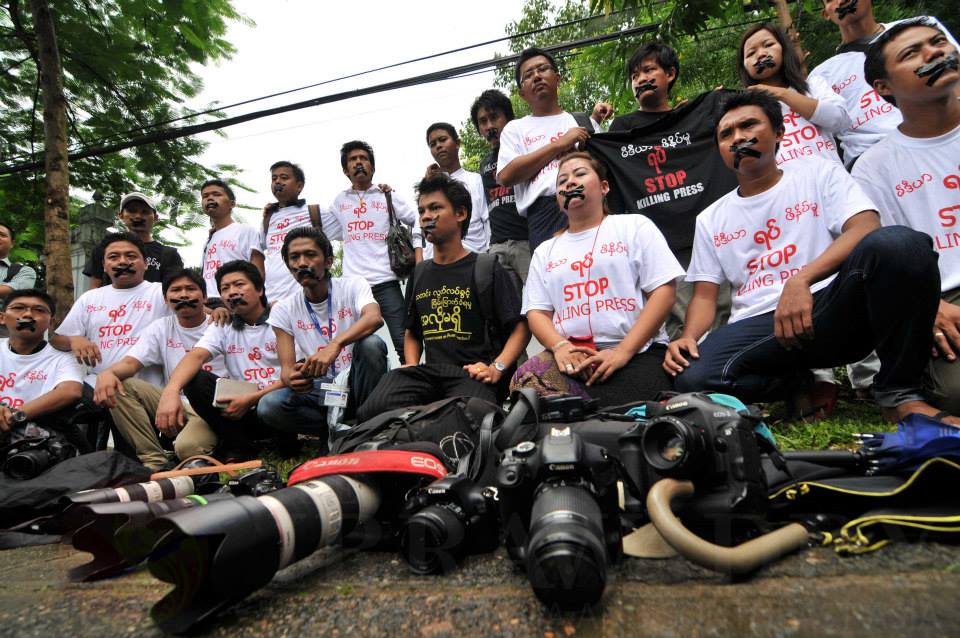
138 212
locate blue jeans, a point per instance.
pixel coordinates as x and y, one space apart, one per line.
393 310
884 297
290 411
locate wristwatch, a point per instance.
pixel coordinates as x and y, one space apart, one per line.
499 366
17 417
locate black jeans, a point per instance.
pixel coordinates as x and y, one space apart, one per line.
884 297
233 436
393 310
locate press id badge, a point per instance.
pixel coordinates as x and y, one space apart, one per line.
334 395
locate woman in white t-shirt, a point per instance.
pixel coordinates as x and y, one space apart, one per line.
597 296
812 111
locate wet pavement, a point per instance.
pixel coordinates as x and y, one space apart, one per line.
903 589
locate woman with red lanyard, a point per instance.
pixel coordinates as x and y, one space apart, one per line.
597 296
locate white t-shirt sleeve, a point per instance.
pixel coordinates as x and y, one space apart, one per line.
406 213
536 296
331 222
280 315
831 114
704 263
510 146
870 174
656 263
75 323
67 369
842 196
149 348
250 241
212 340
362 294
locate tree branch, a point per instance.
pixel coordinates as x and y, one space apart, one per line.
7 70
114 89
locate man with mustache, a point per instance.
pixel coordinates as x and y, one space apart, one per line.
249 349
509 237
133 402
359 218
444 145
228 240
325 341
138 212
280 217
40 385
914 172
531 145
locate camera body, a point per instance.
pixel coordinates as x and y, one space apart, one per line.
560 514
256 482
29 457
566 408
446 520
691 436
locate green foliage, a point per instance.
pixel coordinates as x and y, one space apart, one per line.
127 64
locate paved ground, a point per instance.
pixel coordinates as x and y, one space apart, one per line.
901 590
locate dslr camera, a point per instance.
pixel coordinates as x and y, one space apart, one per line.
560 514
691 436
446 520
29 457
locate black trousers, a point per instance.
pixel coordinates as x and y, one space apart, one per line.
234 436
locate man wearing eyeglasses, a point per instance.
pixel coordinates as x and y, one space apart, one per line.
530 147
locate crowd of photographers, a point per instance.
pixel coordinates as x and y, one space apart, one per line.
831 242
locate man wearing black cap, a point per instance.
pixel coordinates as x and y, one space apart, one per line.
138 212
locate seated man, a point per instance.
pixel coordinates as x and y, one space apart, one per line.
817 283
467 352
133 402
324 339
913 174
40 384
249 349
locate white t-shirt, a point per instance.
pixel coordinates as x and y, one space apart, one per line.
114 319
278 281
478 231
813 137
757 243
361 221
25 377
524 136
871 117
594 281
249 354
236 241
165 342
348 296
916 183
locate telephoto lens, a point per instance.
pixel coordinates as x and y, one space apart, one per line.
218 554
445 521
74 516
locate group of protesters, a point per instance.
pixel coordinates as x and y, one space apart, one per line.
822 236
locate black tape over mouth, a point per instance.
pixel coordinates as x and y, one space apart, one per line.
122 270
933 70
766 62
186 303
303 272
643 87
573 193
278 188
744 150
492 133
138 222
211 206
27 324
846 8
235 302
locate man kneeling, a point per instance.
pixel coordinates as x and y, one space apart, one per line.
817 283
329 356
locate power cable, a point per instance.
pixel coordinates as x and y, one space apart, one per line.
436 76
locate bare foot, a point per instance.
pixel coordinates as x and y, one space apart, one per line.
921 407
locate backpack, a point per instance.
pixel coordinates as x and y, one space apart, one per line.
12 272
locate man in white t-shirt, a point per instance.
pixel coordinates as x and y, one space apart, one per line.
228 239
325 340
872 117
816 282
105 323
133 403
38 384
531 145
279 218
249 349
914 173
358 217
444 144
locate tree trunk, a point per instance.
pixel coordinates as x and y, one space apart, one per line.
56 208
786 22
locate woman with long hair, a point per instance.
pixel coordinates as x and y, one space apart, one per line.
597 296
812 111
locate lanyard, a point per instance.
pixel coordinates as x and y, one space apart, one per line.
316 322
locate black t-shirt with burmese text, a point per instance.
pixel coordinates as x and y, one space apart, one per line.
444 312
505 222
